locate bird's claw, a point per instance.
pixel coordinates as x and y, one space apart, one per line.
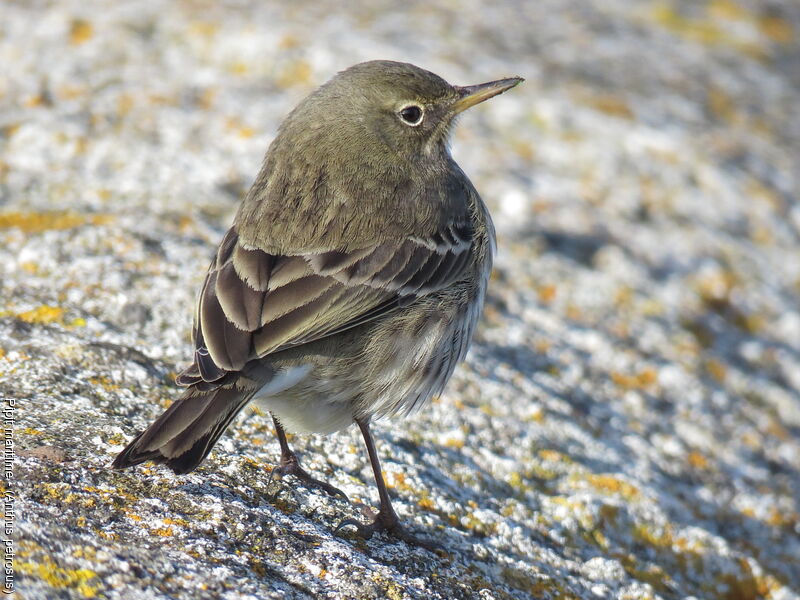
364 530
390 525
292 467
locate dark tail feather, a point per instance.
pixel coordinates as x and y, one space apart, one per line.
184 435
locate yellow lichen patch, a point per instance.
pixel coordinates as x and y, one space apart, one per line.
650 307
106 535
523 148
80 31
641 380
704 30
727 9
43 315
535 416
747 584
204 28
515 480
611 105
488 409
477 525
239 67
611 485
35 100
536 587
623 296
80 580
33 222
163 531
554 455
426 503
722 105
30 267
207 98
758 190
116 439
574 313
457 443
236 126
716 369
124 104
776 429
598 538
297 73
288 41
651 574
105 382
31 431
112 496
778 518
70 92
394 591
657 537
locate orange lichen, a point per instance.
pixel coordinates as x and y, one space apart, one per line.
777 29
297 73
554 455
547 293
612 485
641 380
80 31
33 222
426 503
697 460
716 369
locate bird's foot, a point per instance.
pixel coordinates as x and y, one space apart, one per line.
387 521
290 465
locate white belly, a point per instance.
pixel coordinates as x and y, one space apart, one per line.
300 407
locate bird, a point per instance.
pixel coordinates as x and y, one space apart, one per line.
350 283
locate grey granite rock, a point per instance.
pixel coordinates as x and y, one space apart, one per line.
628 422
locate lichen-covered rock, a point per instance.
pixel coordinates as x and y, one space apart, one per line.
628 422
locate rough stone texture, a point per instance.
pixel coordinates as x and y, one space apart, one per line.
628 422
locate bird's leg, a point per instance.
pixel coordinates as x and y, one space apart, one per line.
386 519
290 465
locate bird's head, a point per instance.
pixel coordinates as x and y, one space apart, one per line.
387 108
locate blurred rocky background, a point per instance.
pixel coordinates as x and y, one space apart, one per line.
628 422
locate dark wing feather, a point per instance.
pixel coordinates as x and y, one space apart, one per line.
253 303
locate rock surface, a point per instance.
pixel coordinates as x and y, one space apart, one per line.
628 422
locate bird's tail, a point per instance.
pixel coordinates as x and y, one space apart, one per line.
184 435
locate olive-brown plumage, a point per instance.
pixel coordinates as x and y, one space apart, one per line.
351 280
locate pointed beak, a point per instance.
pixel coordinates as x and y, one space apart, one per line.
475 94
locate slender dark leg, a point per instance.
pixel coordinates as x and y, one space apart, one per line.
386 519
290 465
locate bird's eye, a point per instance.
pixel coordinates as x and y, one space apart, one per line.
411 115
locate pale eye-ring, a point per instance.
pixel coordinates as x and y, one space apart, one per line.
411 114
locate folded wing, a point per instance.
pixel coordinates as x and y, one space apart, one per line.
253 303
